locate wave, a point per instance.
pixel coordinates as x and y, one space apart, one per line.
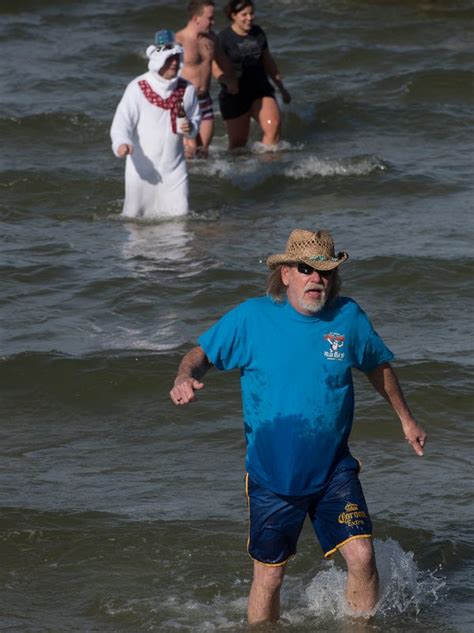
62 194
343 114
123 372
64 127
250 171
84 381
12 7
460 9
430 87
355 166
397 268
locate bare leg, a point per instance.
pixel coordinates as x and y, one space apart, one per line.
264 597
267 114
238 130
204 138
362 576
190 147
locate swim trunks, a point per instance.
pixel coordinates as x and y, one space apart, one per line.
338 514
205 105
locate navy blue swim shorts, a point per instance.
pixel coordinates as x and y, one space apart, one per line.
236 105
338 513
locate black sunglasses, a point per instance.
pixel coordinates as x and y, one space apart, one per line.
304 269
164 47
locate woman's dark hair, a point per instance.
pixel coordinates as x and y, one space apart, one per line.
234 6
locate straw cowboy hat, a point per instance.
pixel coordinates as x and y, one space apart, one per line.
314 249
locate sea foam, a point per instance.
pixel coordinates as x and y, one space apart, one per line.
404 588
252 170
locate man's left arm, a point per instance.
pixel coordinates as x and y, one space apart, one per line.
385 381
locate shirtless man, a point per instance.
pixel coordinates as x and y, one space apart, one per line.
200 50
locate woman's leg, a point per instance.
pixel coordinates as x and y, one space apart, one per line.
238 130
267 114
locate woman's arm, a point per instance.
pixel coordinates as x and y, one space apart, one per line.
272 71
223 70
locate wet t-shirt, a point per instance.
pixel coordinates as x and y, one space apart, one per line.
296 380
245 53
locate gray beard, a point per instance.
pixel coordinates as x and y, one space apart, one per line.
315 306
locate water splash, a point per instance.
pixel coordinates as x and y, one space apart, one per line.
243 173
325 595
355 166
246 171
282 146
320 605
404 588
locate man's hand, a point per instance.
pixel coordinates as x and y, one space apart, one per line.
194 363
184 388
185 127
124 149
415 436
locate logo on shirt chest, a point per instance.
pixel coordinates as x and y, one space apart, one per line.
336 344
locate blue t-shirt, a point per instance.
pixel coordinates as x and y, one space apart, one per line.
297 391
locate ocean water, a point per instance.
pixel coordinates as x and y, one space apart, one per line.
120 512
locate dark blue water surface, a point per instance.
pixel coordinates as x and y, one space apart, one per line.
120 512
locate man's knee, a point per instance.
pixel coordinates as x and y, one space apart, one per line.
269 579
359 556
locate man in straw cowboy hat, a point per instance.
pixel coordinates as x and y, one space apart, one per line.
295 349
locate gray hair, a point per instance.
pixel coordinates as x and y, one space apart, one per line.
276 289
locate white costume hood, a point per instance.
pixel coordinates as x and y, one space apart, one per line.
158 56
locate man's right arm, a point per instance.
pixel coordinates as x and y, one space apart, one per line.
193 366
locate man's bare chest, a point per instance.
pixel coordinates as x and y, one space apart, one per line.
201 53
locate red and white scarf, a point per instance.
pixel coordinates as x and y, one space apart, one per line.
171 103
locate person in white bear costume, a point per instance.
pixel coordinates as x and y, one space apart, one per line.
147 128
